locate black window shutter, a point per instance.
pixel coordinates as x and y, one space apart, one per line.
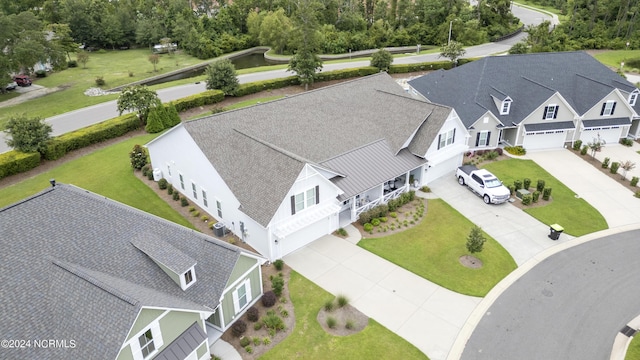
293 204
555 112
439 136
317 194
613 108
478 138
454 136
488 137
602 111
544 114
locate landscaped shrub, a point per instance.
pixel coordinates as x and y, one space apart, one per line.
499 151
584 149
393 214
193 101
515 150
183 201
614 167
72 63
406 68
273 321
517 184
637 194
367 227
526 199
175 196
150 175
145 169
14 162
425 189
195 213
375 222
266 341
279 264
491 155
342 300
546 194
257 326
41 73
535 196
577 144
162 184
342 232
269 298
253 314
540 185
605 163
384 219
346 73
634 181
512 189
277 284
257 86
526 183
626 142
245 341
331 322
329 305
170 189
238 328
100 81
138 157
349 324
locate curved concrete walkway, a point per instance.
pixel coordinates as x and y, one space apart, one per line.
423 313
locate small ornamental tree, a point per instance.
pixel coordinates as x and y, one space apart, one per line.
305 64
452 51
596 145
382 59
138 157
475 240
154 59
626 166
221 75
28 134
137 98
83 57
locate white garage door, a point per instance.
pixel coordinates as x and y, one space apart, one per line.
544 140
611 135
304 236
444 168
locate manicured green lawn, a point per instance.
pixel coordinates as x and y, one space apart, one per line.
613 58
113 66
309 341
633 352
577 216
432 249
106 172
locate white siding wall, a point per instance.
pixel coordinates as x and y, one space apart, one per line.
622 108
481 125
445 160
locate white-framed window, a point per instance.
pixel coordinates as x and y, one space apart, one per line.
506 106
550 112
181 181
482 139
194 191
633 97
219 208
608 108
188 277
446 138
147 346
242 296
204 198
169 169
305 199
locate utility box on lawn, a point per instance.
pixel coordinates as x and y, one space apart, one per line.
555 231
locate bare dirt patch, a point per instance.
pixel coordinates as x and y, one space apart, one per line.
343 315
470 261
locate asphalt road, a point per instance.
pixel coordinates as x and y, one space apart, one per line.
80 118
570 306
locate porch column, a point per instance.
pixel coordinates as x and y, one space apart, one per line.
352 209
381 192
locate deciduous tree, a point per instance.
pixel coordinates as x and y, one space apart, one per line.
28 134
83 58
452 51
154 59
381 59
221 75
137 98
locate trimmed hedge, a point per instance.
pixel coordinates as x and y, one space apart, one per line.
346 73
109 129
257 86
15 162
204 98
405 68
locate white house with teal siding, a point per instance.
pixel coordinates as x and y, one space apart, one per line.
282 174
113 282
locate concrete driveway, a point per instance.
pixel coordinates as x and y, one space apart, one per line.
614 201
519 233
427 315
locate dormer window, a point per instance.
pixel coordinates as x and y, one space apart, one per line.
633 97
506 106
188 277
608 108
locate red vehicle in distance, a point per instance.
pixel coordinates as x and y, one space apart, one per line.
22 80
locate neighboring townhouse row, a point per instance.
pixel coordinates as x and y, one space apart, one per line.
538 101
285 173
106 281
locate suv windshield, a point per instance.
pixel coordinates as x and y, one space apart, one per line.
492 183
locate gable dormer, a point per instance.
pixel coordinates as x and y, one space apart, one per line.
633 96
179 266
505 107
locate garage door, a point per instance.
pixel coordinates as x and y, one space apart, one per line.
544 140
306 235
444 168
611 135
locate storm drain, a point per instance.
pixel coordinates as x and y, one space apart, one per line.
627 331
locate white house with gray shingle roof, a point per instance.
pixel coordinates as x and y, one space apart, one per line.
284 173
538 101
106 281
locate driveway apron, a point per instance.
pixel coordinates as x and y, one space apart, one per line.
614 201
425 314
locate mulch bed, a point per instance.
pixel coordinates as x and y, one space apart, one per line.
598 165
403 213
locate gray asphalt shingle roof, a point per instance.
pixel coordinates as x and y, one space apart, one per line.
606 122
528 79
559 125
69 271
259 151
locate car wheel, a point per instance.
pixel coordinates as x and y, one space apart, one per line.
486 199
460 180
